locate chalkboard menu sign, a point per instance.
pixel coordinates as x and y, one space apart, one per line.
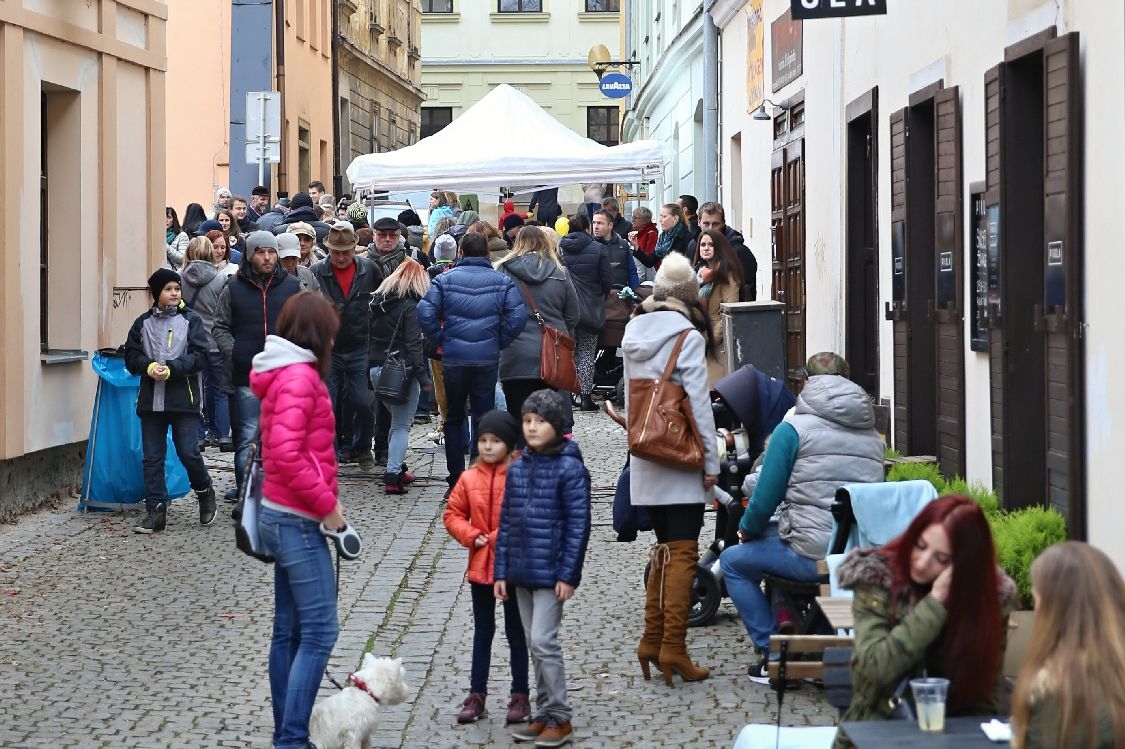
979 273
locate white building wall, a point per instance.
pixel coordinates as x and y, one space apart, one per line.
954 40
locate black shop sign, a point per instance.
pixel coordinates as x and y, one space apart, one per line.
808 10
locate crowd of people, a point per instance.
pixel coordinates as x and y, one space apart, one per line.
305 330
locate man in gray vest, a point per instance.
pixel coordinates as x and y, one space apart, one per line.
826 441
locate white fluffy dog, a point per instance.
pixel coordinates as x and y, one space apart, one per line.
347 719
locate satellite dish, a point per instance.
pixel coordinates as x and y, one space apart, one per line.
598 57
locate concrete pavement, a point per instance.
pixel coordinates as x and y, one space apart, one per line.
113 639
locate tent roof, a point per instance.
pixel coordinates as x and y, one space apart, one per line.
505 140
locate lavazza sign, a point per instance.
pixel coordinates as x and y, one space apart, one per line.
810 9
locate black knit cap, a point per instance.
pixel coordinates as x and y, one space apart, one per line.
547 404
161 278
501 425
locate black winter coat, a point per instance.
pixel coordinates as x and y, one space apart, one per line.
186 342
355 314
387 314
246 313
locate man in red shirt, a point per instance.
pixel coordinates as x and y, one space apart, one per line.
348 280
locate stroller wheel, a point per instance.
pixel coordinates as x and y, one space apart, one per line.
706 595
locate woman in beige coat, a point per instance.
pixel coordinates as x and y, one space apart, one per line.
720 281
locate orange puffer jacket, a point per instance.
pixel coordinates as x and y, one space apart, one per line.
473 509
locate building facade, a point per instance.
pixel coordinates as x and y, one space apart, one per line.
207 82
82 95
380 94
668 38
938 192
538 46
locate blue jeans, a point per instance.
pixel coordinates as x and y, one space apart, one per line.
744 566
349 372
215 406
484 630
247 414
305 626
465 385
154 449
402 416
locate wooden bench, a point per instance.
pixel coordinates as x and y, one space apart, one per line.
823 657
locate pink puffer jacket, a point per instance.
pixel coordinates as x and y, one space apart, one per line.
298 429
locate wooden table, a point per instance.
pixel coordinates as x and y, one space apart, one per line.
838 610
959 732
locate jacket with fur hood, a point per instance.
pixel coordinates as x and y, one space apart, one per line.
899 638
473 509
298 430
550 287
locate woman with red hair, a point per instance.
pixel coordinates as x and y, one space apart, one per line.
931 601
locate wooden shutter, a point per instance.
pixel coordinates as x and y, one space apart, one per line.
1062 292
993 131
949 294
897 307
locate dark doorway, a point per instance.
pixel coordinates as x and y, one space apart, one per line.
1034 188
861 305
787 227
912 213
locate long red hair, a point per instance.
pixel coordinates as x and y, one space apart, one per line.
971 644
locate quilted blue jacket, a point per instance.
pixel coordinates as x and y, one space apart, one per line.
544 520
471 312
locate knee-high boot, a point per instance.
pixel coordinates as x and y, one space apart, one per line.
648 651
679 573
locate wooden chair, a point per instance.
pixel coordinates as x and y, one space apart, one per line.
826 658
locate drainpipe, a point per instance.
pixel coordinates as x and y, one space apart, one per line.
710 109
279 77
337 177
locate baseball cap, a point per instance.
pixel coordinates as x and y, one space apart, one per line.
288 246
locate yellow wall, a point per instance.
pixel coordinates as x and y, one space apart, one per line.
105 170
308 91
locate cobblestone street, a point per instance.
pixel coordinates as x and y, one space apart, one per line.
112 639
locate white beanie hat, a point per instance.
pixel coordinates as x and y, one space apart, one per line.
676 279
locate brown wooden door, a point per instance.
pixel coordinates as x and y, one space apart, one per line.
948 293
787 196
1061 309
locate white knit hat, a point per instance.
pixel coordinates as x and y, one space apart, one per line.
676 279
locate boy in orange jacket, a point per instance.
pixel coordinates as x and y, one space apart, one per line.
472 516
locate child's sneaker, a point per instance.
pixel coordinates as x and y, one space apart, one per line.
519 708
531 731
473 709
556 733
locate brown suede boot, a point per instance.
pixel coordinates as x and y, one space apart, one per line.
648 651
679 574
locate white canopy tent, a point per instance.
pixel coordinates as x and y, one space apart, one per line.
506 140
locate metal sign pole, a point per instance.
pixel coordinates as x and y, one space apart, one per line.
261 137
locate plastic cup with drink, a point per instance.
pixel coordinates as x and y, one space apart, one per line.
929 701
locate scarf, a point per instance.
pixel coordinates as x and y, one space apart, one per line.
665 240
169 236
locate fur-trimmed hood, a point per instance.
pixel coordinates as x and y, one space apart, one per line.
870 567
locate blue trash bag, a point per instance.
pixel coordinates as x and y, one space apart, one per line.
112 475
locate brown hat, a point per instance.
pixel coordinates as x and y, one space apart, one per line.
827 363
341 236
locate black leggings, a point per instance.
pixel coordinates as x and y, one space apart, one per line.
676 522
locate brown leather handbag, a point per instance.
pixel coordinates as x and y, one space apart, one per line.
660 423
556 351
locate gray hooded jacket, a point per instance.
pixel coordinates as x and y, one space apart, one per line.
551 288
201 287
838 445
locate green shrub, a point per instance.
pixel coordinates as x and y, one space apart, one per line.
913 471
981 494
890 454
1022 535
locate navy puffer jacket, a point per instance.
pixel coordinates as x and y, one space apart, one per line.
545 520
471 312
587 261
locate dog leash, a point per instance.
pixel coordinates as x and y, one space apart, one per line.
331 679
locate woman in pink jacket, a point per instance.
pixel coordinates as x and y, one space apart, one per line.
298 493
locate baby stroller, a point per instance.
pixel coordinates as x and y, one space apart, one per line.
750 404
609 367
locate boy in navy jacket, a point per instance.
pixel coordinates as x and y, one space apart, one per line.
544 530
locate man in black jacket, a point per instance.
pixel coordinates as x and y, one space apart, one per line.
348 282
301 209
246 312
621 227
712 216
